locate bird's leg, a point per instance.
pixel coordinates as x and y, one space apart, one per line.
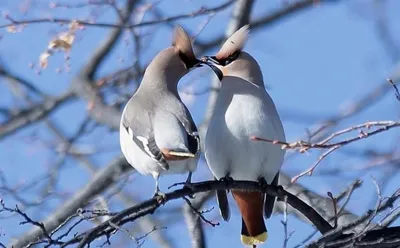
227 179
188 184
157 190
161 197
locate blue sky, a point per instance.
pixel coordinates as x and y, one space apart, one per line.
315 64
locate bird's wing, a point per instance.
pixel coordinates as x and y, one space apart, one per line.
269 201
223 204
176 134
140 130
193 139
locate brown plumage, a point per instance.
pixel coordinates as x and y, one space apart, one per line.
183 44
243 109
234 44
251 205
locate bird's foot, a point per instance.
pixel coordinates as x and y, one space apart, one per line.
227 179
191 188
262 182
160 196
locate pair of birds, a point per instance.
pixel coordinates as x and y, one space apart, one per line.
158 135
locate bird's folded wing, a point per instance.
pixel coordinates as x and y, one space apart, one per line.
223 204
193 138
176 135
269 201
141 132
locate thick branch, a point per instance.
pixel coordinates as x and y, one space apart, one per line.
387 237
269 19
112 174
32 114
98 57
11 76
148 207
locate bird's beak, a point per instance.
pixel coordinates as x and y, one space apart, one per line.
211 61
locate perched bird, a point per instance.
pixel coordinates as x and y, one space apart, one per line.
157 132
243 109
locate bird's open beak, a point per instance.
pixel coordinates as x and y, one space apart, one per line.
211 61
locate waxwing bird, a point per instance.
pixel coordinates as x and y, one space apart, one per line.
157 132
243 110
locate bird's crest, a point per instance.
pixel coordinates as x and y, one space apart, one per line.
182 43
234 43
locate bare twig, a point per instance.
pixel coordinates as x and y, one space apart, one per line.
200 12
334 203
303 146
102 179
348 193
200 213
312 168
361 230
397 93
285 225
150 206
193 222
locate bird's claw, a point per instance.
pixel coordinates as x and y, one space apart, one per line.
262 182
227 179
189 186
160 197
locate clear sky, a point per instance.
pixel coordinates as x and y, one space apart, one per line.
315 64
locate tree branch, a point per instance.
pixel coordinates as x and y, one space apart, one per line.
101 181
32 114
269 19
99 55
149 207
193 221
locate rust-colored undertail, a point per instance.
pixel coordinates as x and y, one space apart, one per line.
251 206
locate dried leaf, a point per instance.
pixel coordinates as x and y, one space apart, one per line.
63 41
44 59
12 29
75 25
15 28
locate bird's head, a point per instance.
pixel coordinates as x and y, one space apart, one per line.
175 61
182 45
231 60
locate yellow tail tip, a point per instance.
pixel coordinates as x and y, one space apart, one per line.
256 240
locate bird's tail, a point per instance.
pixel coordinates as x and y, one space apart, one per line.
251 206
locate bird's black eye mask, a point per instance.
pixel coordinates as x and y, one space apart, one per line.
189 62
224 62
211 61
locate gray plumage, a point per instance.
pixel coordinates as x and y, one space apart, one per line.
243 110
157 132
